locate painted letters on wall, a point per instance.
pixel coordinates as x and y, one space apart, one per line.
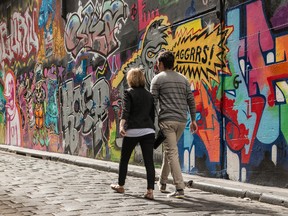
62 80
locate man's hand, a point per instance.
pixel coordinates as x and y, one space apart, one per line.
193 127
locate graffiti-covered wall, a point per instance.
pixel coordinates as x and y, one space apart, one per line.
63 66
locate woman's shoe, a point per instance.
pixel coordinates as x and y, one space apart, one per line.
149 195
118 188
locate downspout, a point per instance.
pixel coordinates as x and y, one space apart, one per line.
220 12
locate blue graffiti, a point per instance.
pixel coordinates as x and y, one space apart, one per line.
52 114
45 10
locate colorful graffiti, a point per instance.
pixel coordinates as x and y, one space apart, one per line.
85 113
145 17
13 128
2 110
39 106
46 11
155 39
61 81
95 30
22 41
260 83
201 55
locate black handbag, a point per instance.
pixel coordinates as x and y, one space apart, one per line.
160 137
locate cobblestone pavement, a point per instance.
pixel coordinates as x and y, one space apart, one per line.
31 186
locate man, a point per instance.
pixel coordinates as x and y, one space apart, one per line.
173 92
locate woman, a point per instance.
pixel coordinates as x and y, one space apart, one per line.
137 126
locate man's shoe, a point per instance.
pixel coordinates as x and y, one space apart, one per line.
118 188
177 194
162 187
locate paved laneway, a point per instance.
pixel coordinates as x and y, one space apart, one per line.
31 186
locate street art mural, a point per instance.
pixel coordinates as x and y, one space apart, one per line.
47 14
257 96
13 127
2 109
23 39
95 30
90 36
202 63
62 80
155 40
39 107
85 115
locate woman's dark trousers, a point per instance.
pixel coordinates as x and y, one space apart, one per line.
146 143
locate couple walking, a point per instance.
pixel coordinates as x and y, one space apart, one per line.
172 91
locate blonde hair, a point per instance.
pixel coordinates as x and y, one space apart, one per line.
136 78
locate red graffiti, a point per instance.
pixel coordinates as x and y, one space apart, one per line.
208 126
145 17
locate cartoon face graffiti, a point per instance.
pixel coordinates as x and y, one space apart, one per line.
10 96
39 92
12 136
154 40
39 106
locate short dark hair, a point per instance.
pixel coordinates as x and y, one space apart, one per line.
167 58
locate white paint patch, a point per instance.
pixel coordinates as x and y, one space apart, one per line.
243 174
270 58
274 154
192 157
242 66
233 165
186 161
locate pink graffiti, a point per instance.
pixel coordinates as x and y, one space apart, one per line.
259 41
22 39
145 17
13 133
262 76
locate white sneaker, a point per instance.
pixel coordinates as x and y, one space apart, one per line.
177 194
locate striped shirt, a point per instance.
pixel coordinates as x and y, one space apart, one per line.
173 92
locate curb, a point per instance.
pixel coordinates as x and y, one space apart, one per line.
139 172
244 194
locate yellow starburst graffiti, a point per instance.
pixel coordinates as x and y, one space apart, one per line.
201 56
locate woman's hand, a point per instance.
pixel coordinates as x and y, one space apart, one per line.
122 131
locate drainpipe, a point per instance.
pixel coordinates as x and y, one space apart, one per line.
220 12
